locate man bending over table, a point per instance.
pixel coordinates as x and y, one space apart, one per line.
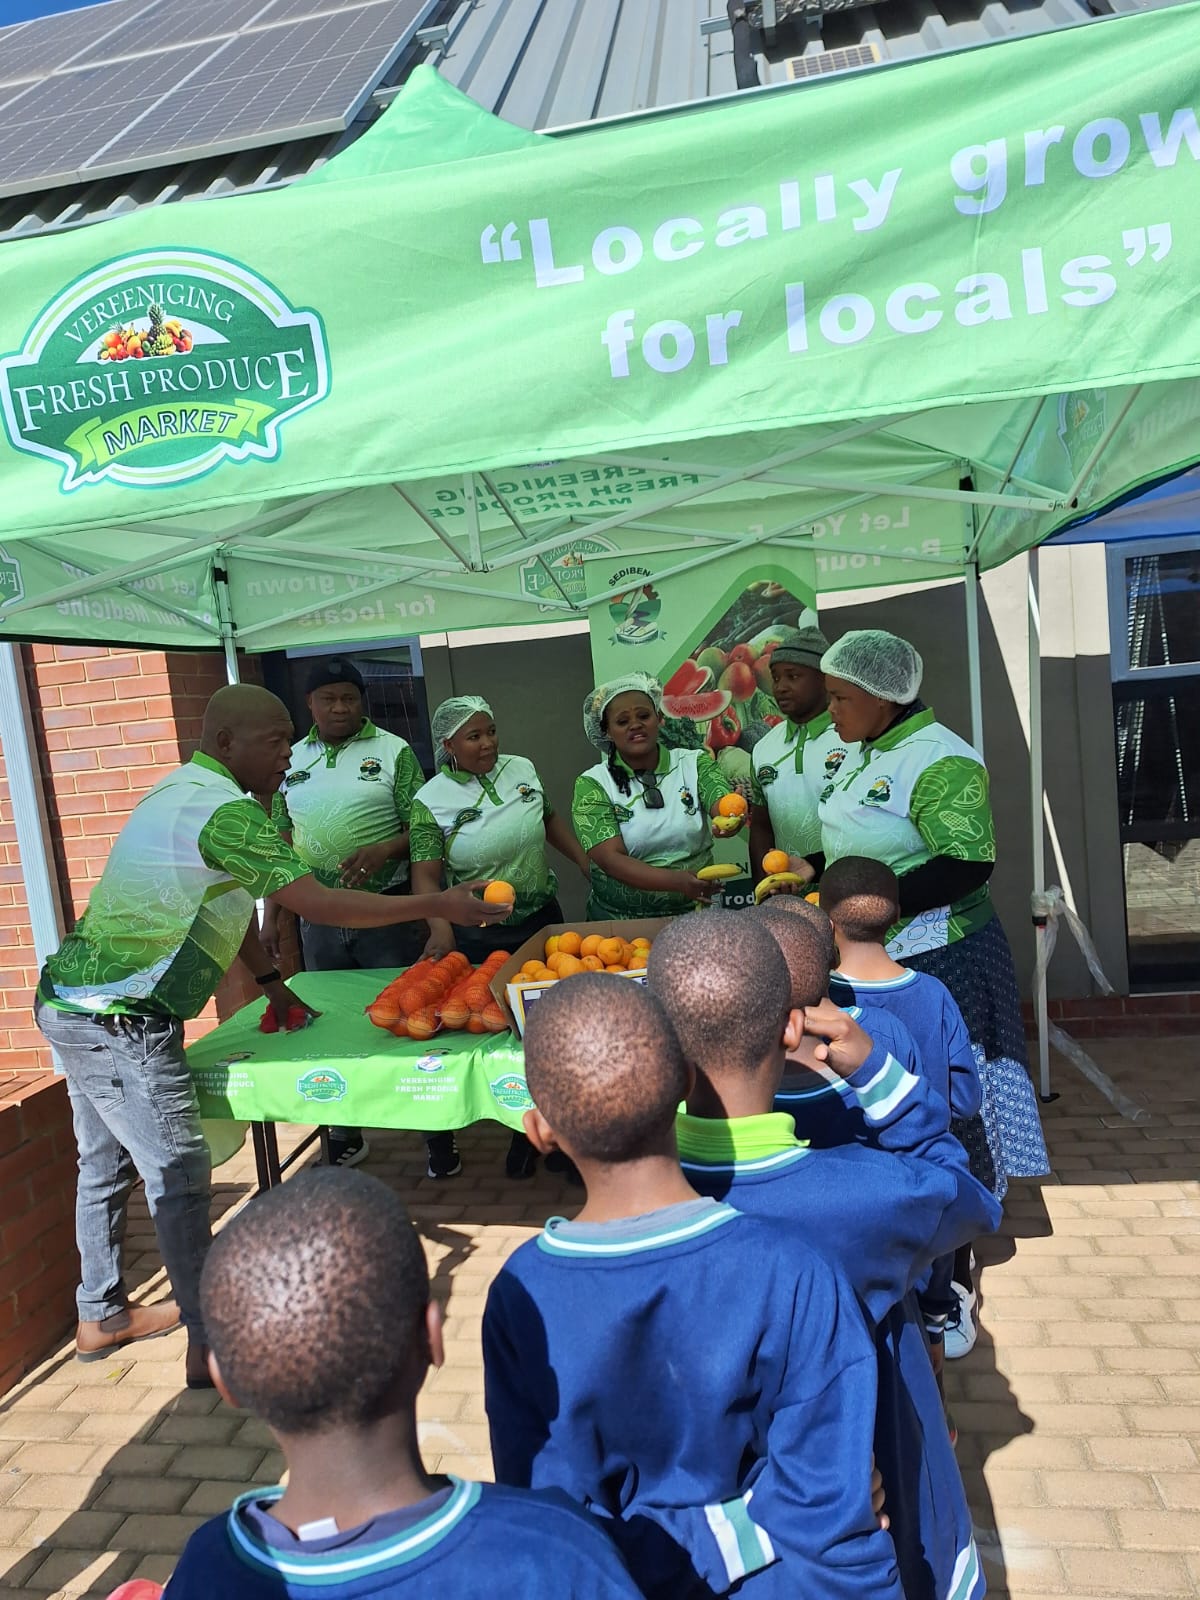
174 908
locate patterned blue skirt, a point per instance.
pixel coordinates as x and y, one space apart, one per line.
1005 1141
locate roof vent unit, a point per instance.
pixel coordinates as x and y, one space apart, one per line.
823 63
767 15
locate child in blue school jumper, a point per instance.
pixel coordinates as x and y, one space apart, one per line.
880 1215
862 900
316 1305
702 1380
822 1104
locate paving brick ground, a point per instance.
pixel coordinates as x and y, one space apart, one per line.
1079 1410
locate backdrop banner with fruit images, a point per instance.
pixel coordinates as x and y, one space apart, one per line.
424 388
707 636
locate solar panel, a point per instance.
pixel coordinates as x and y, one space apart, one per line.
32 49
170 24
307 76
143 81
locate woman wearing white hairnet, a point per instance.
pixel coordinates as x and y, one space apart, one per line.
643 813
485 815
916 797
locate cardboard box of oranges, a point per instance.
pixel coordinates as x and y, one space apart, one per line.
551 955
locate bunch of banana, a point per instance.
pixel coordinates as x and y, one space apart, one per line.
773 883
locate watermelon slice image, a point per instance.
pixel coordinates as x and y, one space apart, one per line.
699 707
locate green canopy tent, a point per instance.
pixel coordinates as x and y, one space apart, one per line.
889 328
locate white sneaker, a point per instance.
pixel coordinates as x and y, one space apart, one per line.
962 1325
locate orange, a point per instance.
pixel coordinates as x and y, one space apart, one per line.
590 945
616 967
531 969
569 943
776 861
568 966
422 1025
591 963
611 950
454 1013
477 996
384 1012
551 946
554 961
475 1023
499 893
814 899
494 1019
729 805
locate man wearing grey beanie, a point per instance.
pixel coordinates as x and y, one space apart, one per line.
794 762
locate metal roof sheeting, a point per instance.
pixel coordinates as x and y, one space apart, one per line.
555 63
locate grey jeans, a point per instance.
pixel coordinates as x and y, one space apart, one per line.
136 1115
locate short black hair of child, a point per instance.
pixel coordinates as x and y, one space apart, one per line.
863 895
312 1300
604 1066
804 934
724 985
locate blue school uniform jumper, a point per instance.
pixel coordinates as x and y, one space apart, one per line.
706 1383
881 1215
472 1539
930 1013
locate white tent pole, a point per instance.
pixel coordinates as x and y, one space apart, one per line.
27 793
225 616
1036 803
974 674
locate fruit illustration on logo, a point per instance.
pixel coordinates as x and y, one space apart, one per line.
164 337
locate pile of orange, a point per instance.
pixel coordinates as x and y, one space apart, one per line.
569 953
449 993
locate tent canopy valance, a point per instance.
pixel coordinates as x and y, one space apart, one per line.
895 327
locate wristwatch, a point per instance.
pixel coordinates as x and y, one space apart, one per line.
269 977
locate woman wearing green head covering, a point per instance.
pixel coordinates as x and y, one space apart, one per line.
644 812
485 815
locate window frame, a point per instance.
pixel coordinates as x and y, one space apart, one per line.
1116 556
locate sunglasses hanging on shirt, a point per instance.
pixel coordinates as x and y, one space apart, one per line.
652 795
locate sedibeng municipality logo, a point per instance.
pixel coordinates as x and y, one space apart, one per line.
154 368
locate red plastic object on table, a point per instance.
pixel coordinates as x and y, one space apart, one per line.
297 1017
137 1589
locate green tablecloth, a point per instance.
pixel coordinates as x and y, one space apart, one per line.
342 1069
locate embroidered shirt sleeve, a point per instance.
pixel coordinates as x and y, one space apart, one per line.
426 842
407 781
712 782
950 810
279 812
592 814
242 840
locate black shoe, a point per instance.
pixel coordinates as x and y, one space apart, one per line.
348 1152
443 1155
521 1160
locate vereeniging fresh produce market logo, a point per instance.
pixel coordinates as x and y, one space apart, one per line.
154 368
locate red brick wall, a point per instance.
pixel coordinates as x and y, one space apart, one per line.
39 1265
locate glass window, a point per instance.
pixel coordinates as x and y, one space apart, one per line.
1162 609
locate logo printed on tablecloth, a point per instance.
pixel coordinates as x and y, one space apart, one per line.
322 1084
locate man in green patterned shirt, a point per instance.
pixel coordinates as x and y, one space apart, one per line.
173 910
345 806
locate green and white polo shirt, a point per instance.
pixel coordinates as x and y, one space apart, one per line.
916 792
490 825
791 765
172 907
679 834
337 798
